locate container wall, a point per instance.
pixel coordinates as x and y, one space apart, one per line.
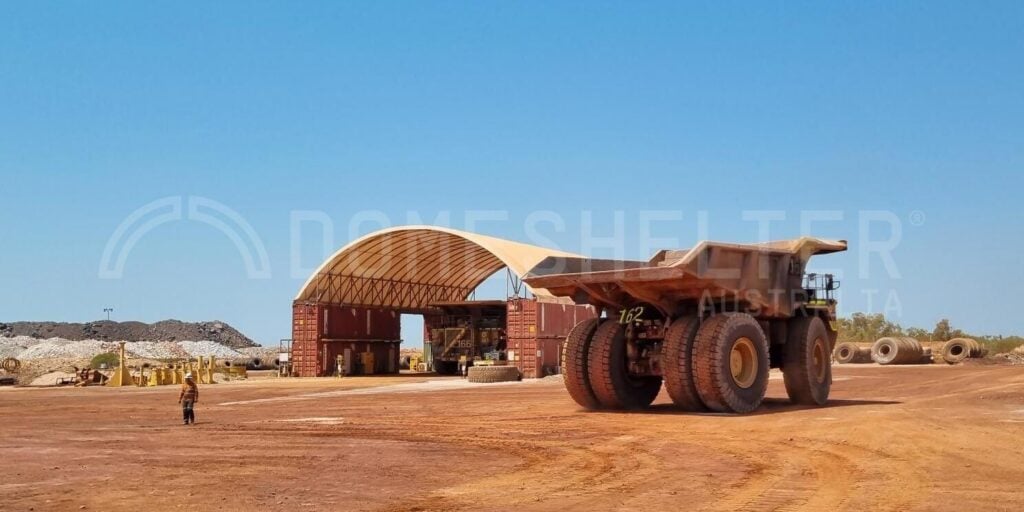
322 332
385 357
537 357
532 318
306 336
347 323
536 331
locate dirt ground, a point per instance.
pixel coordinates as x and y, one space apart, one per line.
932 438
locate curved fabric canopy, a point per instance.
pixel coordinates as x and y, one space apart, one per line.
411 267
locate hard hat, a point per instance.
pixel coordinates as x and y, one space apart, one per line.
188 375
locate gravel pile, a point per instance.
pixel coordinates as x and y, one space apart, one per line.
12 347
208 348
105 330
155 350
61 348
27 349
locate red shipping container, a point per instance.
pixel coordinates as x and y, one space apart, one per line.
321 332
536 331
305 355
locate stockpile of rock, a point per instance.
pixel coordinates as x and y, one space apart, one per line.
104 330
27 349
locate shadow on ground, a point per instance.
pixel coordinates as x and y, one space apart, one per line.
769 406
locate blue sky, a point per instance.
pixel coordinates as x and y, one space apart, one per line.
709 110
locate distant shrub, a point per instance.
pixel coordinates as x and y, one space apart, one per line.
110 359
1002 345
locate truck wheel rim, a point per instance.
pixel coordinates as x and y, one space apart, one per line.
743 363
819 359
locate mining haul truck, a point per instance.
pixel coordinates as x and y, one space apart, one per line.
707 322
466 331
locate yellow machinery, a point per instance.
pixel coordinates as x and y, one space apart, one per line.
156 376
122 375
206 371
414 363
236 372
202 370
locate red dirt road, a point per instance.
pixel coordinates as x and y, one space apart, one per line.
929 438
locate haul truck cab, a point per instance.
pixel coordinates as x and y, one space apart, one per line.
706 322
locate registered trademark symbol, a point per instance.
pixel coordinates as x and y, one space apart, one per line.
917 218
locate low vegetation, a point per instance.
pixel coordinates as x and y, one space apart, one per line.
863 328
109 359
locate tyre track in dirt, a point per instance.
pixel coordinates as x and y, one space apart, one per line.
911 439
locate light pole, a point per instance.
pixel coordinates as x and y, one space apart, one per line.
108 311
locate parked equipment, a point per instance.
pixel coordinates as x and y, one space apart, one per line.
708 321
122 375
466 330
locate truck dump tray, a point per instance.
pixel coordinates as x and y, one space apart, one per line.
766 276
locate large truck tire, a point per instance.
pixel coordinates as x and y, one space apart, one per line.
491 374
807 368
731 363
846 353
678 363
958 349
574 363
446 367
609 375
897 350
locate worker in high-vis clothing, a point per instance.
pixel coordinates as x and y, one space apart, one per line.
188 398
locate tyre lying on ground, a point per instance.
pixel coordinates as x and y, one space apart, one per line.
897 350
958 349
851 353
489 374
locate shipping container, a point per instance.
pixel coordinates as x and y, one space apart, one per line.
348 323
305 354
322 332
385 357
536 331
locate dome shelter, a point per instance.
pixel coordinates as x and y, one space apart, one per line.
352 304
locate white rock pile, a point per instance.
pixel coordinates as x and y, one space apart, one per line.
26 349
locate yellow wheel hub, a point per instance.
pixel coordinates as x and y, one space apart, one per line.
743 362
820 359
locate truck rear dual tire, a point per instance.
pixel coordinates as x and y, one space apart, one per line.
678 363
807 369
491 374
574 363
608 371
730 356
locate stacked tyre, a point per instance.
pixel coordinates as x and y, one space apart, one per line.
851 353
897 350
958 349
490 374
716 364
